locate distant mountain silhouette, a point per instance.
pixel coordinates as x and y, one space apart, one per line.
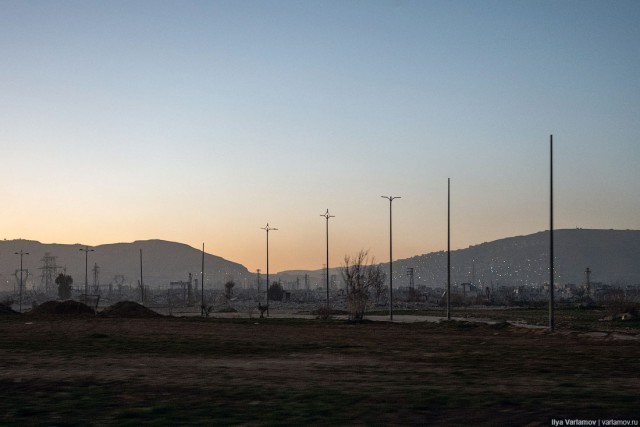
613 256
162 262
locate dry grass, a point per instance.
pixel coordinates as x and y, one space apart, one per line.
171 371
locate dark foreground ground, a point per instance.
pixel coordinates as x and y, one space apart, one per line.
172 371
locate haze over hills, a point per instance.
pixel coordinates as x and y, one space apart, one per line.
613 256
162 262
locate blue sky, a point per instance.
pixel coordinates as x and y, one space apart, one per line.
203 121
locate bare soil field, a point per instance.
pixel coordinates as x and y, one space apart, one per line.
194 371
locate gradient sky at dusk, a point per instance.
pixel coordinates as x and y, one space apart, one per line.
201 121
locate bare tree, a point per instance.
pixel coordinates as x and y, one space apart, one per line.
360 276
378 277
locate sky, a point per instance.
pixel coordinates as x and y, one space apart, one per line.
202 121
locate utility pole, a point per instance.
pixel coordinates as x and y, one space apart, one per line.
448 248
551 261
202 305
96 278
86 251
327 216
141 282
267 229
21 253
391 199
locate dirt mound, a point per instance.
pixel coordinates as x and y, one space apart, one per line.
68 308
128 309
6 310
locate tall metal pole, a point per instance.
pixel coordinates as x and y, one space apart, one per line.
141 282
267 271
551 261
267 229
390 198
21 253
327 216
202 307
86 251
448 248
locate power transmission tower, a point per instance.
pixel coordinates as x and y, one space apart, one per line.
587 273
22 270
49 273
412 283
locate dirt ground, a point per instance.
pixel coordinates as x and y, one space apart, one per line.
192 371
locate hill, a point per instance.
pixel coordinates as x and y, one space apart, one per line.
162 262
612 256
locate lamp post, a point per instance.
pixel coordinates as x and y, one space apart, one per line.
203 311
327 216
86 251
551 260
21 253
142 296
448 248
267 229
391 199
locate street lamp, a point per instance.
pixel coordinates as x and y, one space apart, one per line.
21 253
267 229
551 260
390 198
448 248
203 310
327 216
86 251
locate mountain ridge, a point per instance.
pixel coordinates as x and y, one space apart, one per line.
162 261
612 256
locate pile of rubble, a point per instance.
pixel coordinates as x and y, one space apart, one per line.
68 308
6 310
128 309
